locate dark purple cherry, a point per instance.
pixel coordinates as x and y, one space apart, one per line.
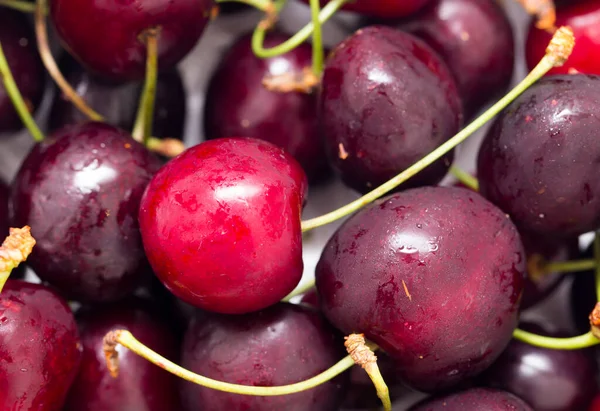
433 275
109 40
475 39
118 102
19 46
80 192
540 159
383 8
140 384
221 224
280 345
474 399
237 103
387 100
40 348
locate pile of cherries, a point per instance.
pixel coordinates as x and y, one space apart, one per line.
198 255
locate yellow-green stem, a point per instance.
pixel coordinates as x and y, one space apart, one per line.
263 5
572 343
19 5
465 178
299 291
318 53
142 130
569 266
383 393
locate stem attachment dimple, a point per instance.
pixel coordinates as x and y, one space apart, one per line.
14 250
142 129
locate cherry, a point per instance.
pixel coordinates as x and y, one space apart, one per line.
221 224
19 46
433 275
80 192
474 399
539 160
39 346
387 100
383 8
475 39
280 345
140 384
109 40
118 102
583 17
239 105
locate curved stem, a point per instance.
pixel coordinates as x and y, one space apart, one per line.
301 36
17 99
142 128
597 259
19 5
569 266
299 291
318 53
556 54
126 339
14 250
573 343
465 178
41 32
263 5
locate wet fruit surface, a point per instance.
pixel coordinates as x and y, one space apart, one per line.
474 399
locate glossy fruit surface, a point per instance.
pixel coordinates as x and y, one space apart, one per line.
80 192
140 384
19 46
474 399
281 345
39 346
475 39
221 224
432 275
387 100
239 105
387 9
539 160
109 40
584 18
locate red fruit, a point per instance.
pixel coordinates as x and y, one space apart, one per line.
387 9
475 399
221 224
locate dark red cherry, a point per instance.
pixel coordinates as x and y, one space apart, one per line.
108 41
39 346
80 192
387 9
19 46
584 18
221 224
237 103
474 399
433 275
539 160
387 100
475 39
280 345
118 102
140 384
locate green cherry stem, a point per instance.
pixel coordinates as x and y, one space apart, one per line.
126 339
17 99
142 129
557 53
318 53
569 266
263 5
19 5
299 291
465 178
14 250
573 343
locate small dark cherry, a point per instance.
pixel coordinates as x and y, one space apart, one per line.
387 9
387 100
280 345
109 40
80 192
474 399
433 275
221 224
39 346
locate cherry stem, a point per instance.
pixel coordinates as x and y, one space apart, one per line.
597 259
168 147
126 339
558 51
17 99
14 250
543 10
41 32
142 129
465 178
267 6
568 266
573 343
19 5
318 54
258 37
299 291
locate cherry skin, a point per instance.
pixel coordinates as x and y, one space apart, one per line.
140 384
238 104
474 399
221 224
432 275
387 9
387 100
280 345
19 46
39 346
109 40
539 160
80 192
475 39
583 17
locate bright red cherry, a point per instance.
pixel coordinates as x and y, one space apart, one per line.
387 9
221 224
